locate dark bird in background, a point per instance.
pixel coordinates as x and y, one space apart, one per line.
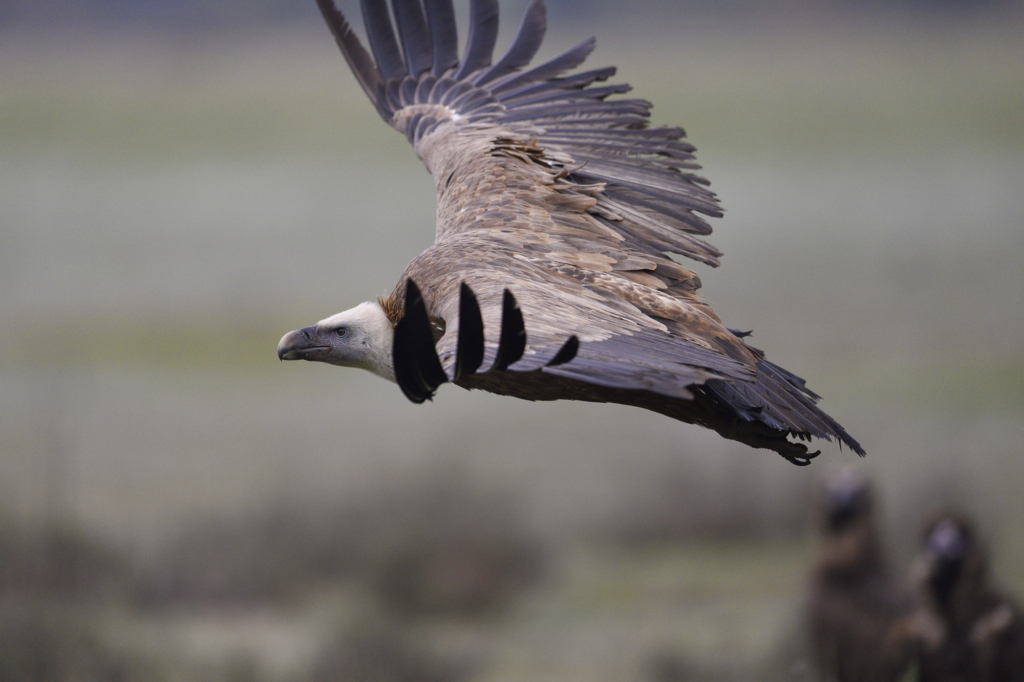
857 610
969 632
560 218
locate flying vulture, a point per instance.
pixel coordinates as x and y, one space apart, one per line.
558 212
860 615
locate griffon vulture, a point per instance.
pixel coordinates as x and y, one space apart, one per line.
969 631
557 211
859 613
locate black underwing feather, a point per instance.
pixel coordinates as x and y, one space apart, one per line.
566 353
412 29
470 352
524 46
418 370
382 39
512 343
483 34
444 35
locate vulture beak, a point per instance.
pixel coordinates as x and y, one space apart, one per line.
300 345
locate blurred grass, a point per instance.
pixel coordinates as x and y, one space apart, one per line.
808 90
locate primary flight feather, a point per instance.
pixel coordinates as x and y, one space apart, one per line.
557 211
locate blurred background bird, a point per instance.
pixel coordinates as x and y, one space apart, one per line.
857 608
969 630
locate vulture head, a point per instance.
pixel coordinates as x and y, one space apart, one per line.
851 546
846 500
952 556
361 337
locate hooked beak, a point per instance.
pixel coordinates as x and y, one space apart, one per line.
300 345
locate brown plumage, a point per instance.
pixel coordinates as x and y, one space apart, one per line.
558 213
857 612
969 631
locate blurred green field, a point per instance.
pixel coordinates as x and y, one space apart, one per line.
171 204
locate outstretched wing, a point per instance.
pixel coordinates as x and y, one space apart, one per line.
635 179
551 188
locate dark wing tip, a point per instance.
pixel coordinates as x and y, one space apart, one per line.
359 60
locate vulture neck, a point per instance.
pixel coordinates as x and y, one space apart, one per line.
380 334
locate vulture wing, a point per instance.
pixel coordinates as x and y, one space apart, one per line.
558 209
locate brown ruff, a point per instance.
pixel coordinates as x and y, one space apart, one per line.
391 307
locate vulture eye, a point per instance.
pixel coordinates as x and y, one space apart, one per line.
342 332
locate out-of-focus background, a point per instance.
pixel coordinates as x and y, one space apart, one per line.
182 183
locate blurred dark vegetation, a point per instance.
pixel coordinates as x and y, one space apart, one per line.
405 558
414 583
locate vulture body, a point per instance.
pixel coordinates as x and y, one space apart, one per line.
859 614
969 632
558 209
